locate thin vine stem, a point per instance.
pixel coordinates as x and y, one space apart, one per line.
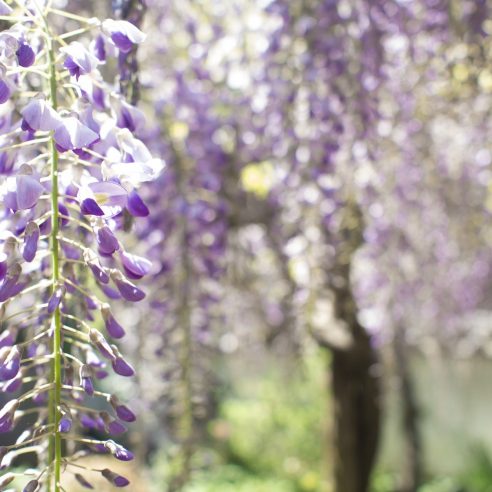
55 445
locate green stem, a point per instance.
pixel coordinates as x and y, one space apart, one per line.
55 445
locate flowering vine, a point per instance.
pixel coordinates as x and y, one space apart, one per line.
70 172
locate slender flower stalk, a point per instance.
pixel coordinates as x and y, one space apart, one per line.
55 446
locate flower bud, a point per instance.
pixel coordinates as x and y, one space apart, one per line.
136 206
8 287
112 426
56 298
9 363
83 481
114 478
31 486
118 451
31 238
107 241
25 55
114 329
86 379
122 411
97 339
7 415
120 366
97 270
128 291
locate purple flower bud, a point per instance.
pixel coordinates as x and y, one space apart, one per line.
97 339
63 211
112 426
120 366
13 385
89 206
65 424
106 240
116 428
99 48
9 363
86 379
8 287
31 238
122 411
130 117
90 302
97 270
114 478
4 92
118 451
87 422
129 291
136 206
31 486
135 266
83 481
25 55
87 385
7 338
7 415
123 34
56 298
112 326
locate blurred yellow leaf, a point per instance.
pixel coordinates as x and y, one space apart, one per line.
178 130
257 178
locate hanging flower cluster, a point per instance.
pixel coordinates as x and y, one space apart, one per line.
186 240
70 169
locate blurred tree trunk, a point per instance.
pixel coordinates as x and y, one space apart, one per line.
356 395
355 374
412 471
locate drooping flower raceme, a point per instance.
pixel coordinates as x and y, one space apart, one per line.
69 177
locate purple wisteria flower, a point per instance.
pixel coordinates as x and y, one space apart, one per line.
79 60
123 34
25 55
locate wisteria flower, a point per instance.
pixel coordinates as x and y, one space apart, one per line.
78 59
71 134
102 198
39 115
123 34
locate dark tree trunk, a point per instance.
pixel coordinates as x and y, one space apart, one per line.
355 372
412 471
356 395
